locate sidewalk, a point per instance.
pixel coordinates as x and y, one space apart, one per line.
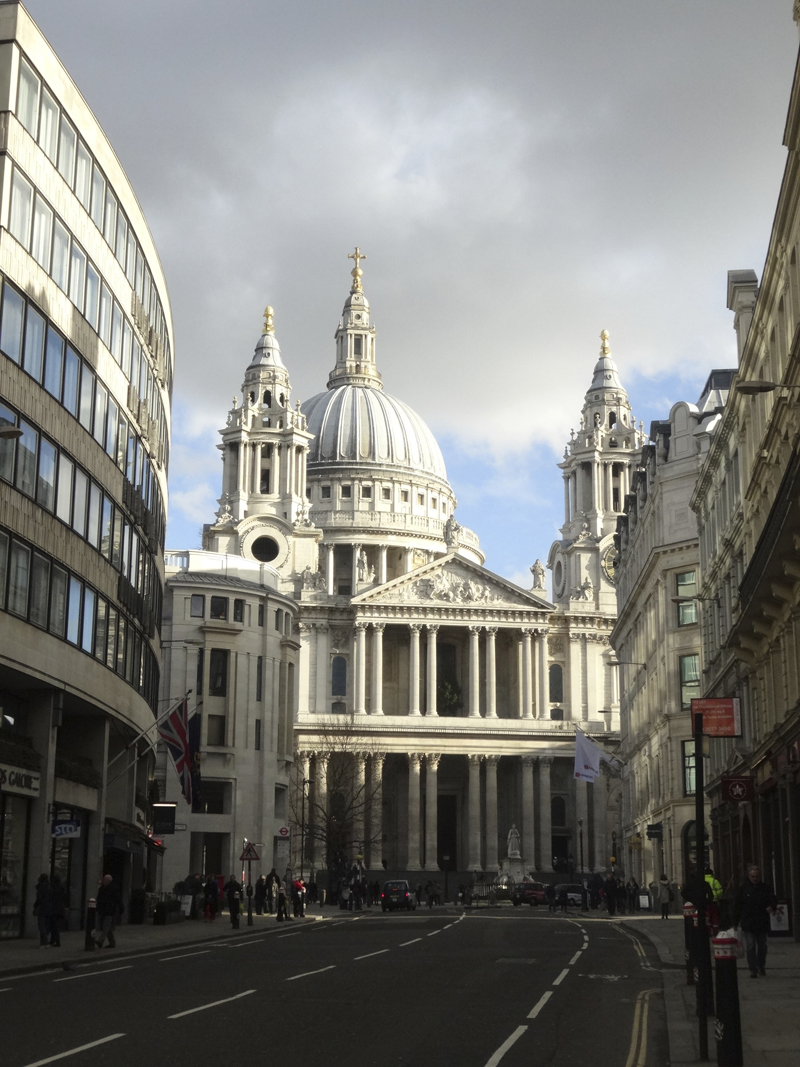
23 955
769 1006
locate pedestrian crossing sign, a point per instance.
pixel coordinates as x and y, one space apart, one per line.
249 853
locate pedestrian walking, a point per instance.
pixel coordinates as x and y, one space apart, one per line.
273 881
260 894
108 909
418 893
665 896
622 896
42 909
755 902
550 897
610 895
211 892
632 889
233 894
59 910
281 912
715 888
563 899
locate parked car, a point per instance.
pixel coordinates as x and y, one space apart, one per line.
574 892
397 895
528 893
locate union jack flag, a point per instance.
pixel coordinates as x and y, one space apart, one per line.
174 732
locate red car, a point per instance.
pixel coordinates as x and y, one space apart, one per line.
528 893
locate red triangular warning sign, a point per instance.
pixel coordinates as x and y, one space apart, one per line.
249 852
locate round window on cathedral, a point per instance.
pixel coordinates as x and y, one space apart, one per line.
558 574
265 549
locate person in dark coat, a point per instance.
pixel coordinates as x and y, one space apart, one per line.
610 894
59 908
233 893
260 894
281 912
273 881
755 902
211 890
632 889
108 911
43 909
550 897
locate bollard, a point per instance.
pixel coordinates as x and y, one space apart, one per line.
728 1026
702 967
249 903
689 915
88 941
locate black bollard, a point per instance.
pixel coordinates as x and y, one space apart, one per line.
728 1027
249 901
703 975
689 914
91 911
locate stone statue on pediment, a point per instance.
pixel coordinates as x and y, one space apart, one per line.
512 843
539 575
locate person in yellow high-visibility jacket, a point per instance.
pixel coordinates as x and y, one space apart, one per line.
715 888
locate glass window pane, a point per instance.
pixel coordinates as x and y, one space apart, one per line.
98 198
130 261
34 343
116 333
18 578
100 405
77 276
101 615
72 369
126 349
66 151
105 315
116 544
95 502
139 273
48 125
105 528
126 549
87 397
92 294
83 175
122 627
111 648
27 447
21 206
7 447
28 97
122 438
79 498
74 610
42 232
11 328
58 601
3 568
111 428
64 493
46 482
110 223
122 238
40 590
54 363
87 634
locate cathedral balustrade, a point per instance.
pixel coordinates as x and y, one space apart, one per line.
379 520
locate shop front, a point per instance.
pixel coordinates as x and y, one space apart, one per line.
18 787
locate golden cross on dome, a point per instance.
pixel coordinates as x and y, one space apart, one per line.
358 255
269 326
605 347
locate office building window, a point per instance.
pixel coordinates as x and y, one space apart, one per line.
258 735
690 679
218 673
197 608
218 608
686 586
688 768
238 611
259 677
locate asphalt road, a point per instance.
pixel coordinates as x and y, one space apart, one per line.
517 987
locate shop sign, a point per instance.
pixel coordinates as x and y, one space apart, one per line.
19 780
721 716
66 828
739 788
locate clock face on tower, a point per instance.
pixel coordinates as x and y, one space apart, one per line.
609 564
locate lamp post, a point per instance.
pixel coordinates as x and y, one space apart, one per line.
305 782
583 880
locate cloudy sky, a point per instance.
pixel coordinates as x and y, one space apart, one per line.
520 173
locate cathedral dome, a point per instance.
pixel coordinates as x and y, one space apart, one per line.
354 424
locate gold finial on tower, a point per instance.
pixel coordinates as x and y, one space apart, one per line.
605 347
356 272
269 325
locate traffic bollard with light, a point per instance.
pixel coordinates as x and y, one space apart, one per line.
728 1027
91 911
689 914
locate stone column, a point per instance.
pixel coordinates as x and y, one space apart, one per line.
520 679
376 812
240 462
491 813
491 673
545 823
257 467
382 550
527 676
42 724
581 817
359 801
567 515
320 819
528 814
474 672
475 813
330 569
543 696
413 811
408 560
413 668
431 812
377 668
354 569
602 850
275 481
430 708
361 668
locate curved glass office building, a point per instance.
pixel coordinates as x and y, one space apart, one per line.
86 359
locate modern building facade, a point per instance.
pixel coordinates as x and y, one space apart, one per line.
657 639
436 702
86 360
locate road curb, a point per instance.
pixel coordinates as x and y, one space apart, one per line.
143 950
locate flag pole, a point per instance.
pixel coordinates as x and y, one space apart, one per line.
147 729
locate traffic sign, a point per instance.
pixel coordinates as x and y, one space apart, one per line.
249 853
283 832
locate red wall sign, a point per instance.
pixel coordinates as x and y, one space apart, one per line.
738 789
721 716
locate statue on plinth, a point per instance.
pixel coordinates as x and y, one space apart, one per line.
512 843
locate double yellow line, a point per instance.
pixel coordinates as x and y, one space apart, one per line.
639 1034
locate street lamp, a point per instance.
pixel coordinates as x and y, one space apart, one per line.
754 387
305 782
8 431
